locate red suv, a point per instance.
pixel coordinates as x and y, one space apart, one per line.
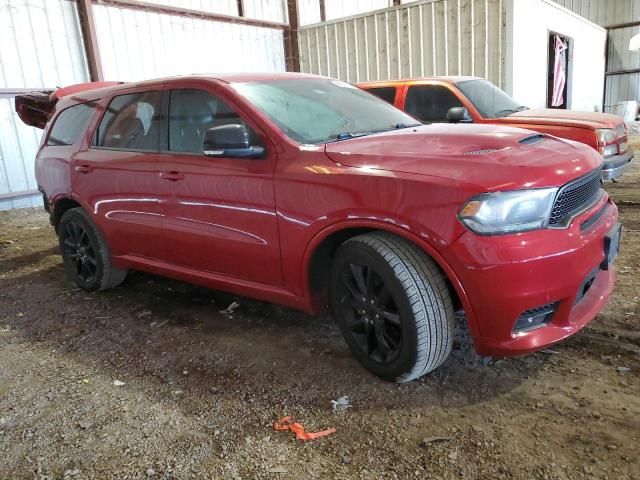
471 99
308 192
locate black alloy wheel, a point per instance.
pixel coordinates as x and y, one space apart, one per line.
79 252
370 311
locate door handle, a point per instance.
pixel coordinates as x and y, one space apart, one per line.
172 176
83 168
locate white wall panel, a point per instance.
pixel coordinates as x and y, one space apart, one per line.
271 10
40 47
40 44
225 7
309 10
531 23
425 38
181 45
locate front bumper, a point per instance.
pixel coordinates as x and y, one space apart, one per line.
504 276
615 166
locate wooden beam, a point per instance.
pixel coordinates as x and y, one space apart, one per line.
291 52
23 193
623 72
187 12
623 25
90 40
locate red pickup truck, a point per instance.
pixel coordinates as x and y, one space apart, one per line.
309 192
475 100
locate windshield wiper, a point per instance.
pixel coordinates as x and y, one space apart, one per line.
508 111
347 135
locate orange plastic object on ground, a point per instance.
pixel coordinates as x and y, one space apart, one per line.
286 423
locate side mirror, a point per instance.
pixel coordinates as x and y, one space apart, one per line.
458 115
230 141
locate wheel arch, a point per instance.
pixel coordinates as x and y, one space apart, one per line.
320 251
59 206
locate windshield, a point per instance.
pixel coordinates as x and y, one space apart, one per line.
317 110
488 99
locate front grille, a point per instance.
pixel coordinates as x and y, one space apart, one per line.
575 197
620 130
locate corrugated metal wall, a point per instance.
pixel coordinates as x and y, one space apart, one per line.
309 10
272 10
622 87
425 38
181 45
605 12
40 47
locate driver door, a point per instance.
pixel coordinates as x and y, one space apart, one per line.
430 103
221 218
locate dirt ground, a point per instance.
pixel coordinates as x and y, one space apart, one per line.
201 389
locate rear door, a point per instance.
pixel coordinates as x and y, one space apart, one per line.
387 93
222 216
117 173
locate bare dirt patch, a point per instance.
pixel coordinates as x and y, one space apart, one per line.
201 389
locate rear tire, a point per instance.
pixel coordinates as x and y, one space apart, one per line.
392 305
85 252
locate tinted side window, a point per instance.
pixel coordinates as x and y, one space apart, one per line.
430 103
191 113
131 122
388 94
70 124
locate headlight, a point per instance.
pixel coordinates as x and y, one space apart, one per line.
508 212
605 135
609 150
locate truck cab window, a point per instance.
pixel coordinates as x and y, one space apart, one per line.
430 103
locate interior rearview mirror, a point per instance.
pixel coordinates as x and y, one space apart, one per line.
231 140
458 115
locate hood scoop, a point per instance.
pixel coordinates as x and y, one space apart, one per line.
484 151
531 139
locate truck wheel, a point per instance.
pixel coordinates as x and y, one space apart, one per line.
392 305
85 253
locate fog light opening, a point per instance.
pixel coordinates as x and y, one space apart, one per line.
535 318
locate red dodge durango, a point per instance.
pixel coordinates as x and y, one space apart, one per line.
472 99
311 193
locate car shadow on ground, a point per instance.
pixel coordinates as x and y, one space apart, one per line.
154 330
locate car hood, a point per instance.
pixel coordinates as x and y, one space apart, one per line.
489 157
567 118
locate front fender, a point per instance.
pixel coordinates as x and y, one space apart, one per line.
369 225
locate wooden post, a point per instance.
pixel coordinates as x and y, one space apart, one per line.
90 40
292 54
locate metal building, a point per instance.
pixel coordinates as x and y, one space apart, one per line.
49 43
621 18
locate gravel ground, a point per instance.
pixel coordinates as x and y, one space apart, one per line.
201 389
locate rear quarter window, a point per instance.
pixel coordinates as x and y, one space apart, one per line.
70 124
388 94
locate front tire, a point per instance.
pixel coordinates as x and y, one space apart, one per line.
392 305
85 252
